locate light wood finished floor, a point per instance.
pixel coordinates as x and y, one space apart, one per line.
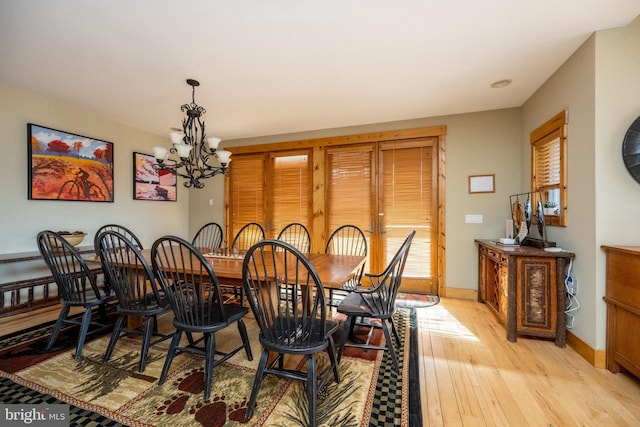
472 376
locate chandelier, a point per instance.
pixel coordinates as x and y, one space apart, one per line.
195 150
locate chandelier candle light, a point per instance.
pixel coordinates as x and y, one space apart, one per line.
189 143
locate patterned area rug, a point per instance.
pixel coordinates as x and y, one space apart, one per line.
114 393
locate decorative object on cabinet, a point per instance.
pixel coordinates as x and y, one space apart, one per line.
482 183
524 287
151 183
622 295
529 224
66 166
631 149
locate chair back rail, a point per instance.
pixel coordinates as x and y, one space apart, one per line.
297 235
209 236
247 236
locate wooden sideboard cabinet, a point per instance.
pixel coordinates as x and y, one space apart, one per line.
524 287
622 295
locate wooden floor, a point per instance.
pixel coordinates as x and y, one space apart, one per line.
472 376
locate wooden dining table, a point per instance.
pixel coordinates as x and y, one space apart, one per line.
333 270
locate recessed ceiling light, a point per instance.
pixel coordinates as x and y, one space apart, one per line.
501 83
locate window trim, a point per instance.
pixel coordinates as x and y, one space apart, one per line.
555 128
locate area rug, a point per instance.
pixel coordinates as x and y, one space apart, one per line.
114 393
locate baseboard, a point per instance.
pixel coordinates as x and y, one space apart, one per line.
596 357
461 293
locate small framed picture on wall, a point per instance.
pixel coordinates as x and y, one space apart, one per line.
150 183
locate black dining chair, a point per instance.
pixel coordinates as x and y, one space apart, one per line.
209 236
77 287
297 235
191 287
347 240
247 236
377 302
122 230
128 234
137 291
294 326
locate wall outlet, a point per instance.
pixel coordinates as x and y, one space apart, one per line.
473 219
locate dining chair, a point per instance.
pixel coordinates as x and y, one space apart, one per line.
295 326
297 235
347 240
122 230
77 287
247 236
193 291
128 234
209 236
377 302
137 291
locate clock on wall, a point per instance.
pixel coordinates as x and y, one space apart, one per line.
631 149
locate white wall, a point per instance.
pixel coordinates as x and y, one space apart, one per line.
572 88
21 219
617 106
600 87
476 143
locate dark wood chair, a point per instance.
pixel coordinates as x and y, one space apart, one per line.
122 230
77 287
192 289
297 325
377 302
128 234
209 236
297 235
247 236
136 287
347 240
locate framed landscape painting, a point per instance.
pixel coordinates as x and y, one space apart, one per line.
150 183
66 166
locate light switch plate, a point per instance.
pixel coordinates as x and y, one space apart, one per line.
473 219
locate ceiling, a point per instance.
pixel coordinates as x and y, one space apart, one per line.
279 66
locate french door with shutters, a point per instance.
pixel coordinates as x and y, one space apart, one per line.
407 200
387 189
272 189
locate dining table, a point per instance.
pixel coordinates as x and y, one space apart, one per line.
333 270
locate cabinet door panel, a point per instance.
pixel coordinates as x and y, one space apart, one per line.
537 294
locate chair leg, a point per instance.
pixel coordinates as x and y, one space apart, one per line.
331 351
395 331
245 339
264 357
84 328
177 335
58 326
147 332
210 349
114 337
351 320
390 346
312 382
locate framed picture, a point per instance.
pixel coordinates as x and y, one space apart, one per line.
150 183
482 184
66 166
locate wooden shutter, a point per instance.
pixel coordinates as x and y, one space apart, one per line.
349 183
547 162
246 185
407 203
290 180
